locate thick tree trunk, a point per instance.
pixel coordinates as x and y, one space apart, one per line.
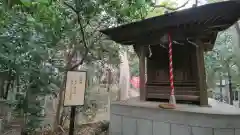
124 77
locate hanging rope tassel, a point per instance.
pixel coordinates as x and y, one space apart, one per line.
172 100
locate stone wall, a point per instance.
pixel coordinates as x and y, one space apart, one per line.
130 120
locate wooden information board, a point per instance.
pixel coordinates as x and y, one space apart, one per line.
75 88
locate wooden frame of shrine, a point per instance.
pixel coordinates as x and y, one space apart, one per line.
193 31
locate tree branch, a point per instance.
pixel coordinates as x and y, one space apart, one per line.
170 8
84 40
83 36
86 52
71 7
84 43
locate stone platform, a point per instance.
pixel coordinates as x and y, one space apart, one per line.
133 117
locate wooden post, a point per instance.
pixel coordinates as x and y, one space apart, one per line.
201 75
142 73
72 120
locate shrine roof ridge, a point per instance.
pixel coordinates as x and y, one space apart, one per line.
216 16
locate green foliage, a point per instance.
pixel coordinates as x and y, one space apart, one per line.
159 10
29 3
24 53
127 10
223 59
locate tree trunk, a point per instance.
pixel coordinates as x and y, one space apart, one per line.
2 84
230 86
124 77
9 82
60 103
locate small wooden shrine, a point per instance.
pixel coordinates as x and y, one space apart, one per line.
193 31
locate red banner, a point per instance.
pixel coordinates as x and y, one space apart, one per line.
135 82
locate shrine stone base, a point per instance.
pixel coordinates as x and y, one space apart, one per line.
135 117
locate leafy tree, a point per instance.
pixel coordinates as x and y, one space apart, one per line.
25 55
